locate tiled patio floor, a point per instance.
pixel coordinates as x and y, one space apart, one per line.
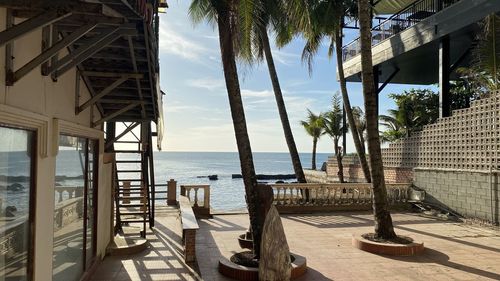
454 251
161 261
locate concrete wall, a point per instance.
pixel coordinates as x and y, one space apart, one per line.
470 194
38 103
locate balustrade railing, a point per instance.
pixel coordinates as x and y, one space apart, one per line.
335 194
193 193
406 18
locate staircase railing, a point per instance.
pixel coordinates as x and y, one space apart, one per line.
404 19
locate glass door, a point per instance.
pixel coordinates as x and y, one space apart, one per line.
74 213
17 158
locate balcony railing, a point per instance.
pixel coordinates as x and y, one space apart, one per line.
406 18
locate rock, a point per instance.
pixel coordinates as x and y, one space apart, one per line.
275 263
15 187
10 211
323 167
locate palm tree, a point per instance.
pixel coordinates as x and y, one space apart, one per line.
332 124
317 19
315 128
359 120
383 221
270 14
394 127
225 15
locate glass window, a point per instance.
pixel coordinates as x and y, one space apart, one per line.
16 186
74 211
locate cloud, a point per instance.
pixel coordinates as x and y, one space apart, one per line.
256 94
174 43
286 58
211 84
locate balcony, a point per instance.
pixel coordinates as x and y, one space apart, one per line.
404 19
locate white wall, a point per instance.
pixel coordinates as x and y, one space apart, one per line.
39 103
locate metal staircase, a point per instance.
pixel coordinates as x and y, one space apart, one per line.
134 175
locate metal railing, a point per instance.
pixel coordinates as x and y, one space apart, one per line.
406 18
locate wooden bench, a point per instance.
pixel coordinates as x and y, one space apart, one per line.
189 227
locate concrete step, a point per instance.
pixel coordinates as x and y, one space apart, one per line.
126 246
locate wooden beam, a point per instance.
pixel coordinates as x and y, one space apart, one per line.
45 56
111 74
61 5
82 49
104 92
46 44
115 114
106 40
137 81
29 25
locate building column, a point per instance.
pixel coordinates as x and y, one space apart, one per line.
444 77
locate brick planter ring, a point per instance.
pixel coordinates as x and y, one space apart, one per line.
411 249
244 273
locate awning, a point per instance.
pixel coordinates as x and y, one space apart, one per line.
385 7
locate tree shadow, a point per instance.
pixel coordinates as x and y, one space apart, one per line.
437 257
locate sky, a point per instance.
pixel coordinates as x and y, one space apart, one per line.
196 107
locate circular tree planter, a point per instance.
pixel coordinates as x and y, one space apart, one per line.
410 248
246 273
245 243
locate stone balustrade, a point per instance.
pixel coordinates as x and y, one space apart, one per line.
333 196
71 191
201 207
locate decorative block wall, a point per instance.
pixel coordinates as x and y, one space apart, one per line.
467 140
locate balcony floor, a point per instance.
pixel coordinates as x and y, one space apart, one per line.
454 251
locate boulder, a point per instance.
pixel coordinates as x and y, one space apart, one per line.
275 263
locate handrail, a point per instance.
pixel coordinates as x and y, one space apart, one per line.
402 20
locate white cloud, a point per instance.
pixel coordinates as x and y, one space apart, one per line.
286 58
174 43
256 94
211 84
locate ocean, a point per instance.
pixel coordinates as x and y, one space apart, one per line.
226 193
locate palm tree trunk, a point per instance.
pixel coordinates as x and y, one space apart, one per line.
294 154
338 154
240 128
383 221
315 143
348 109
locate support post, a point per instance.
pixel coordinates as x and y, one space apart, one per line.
444 77
171 192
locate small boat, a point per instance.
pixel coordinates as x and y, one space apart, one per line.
213 177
